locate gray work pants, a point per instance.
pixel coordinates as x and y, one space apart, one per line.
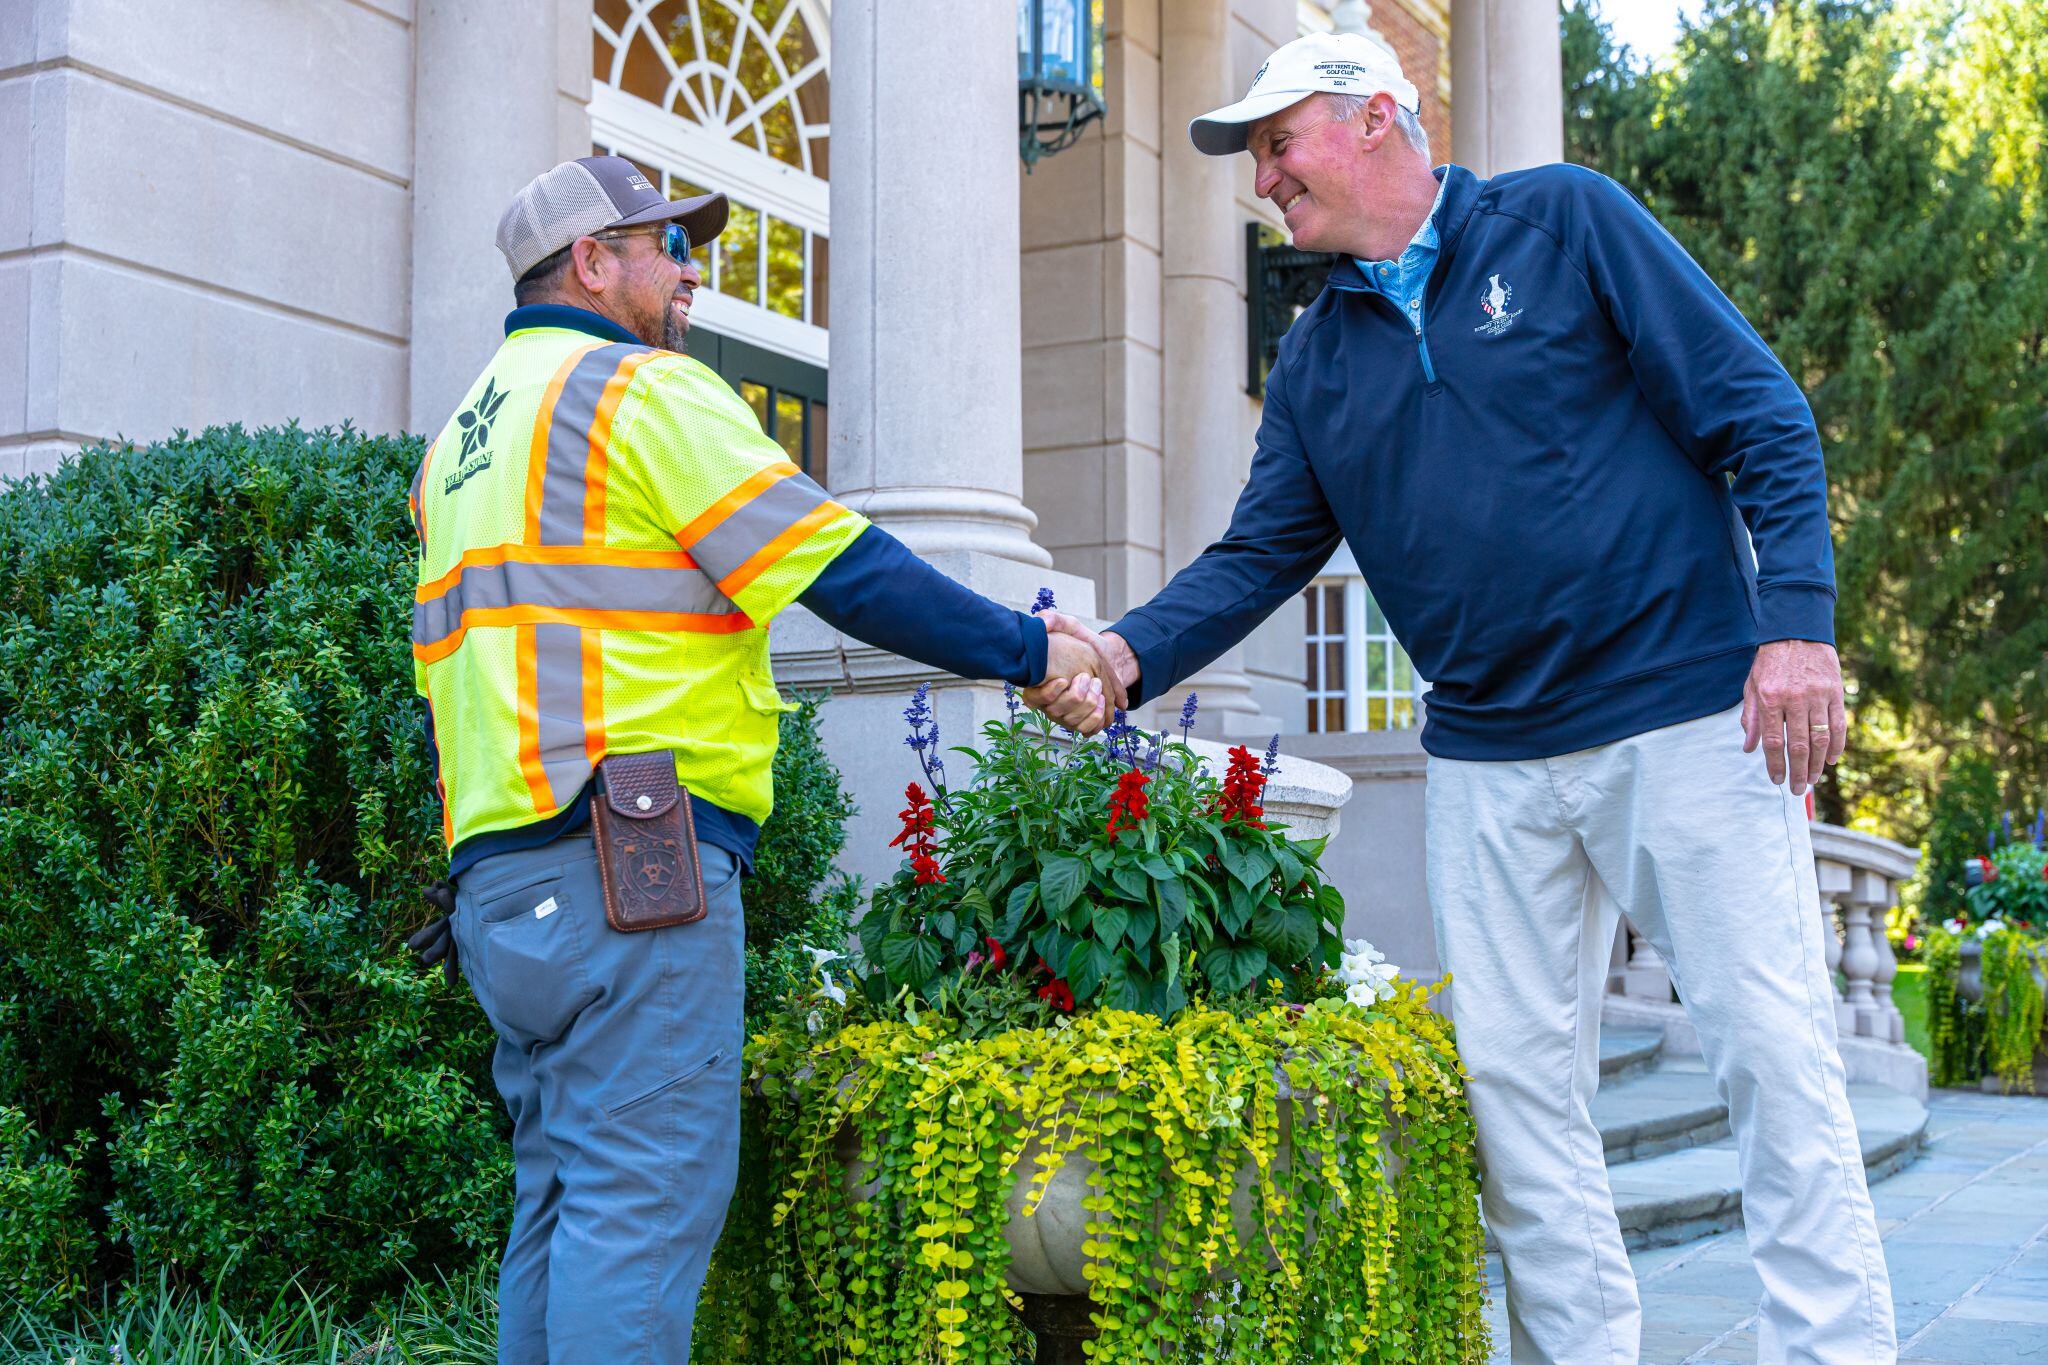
619 1059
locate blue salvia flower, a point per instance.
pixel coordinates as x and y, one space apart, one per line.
1271 764
1991 841
2041 828
1187 716
1151 759
919 711
1042 602
924 736
1122 748
2005 828
1010 698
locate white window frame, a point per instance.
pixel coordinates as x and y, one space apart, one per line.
1342 570
647 133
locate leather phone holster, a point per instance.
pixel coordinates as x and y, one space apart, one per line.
646 843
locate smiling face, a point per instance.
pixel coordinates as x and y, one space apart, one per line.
653 292
1341 185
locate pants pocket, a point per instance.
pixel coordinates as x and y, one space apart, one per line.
533 961
684 1077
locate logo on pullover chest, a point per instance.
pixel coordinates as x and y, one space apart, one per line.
1494 303
475 457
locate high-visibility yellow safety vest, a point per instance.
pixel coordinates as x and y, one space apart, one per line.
605 534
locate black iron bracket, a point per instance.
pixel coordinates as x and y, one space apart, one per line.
1280 281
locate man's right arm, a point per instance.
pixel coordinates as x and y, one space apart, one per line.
1281 534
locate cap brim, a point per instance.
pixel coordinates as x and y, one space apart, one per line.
1223 131
703 217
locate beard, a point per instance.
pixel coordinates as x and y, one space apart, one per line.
675 328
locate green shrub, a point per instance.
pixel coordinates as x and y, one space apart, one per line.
218 1064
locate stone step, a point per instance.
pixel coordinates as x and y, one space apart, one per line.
1653 1112
1683 1195
1628 1051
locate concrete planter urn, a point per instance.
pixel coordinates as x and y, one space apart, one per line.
1970 987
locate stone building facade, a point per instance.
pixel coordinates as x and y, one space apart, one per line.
241 211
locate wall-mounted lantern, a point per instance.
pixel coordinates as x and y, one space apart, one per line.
1059 73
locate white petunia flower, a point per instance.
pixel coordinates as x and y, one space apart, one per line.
1990 927
813 1021
1954 926
1365 973
835 993
820 956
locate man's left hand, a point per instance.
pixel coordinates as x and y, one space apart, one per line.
1792 706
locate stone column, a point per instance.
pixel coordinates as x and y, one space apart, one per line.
1507 85
927 406
1206 457
1835 881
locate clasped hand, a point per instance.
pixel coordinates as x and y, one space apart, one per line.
1087 676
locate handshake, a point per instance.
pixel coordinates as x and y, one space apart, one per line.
1087 676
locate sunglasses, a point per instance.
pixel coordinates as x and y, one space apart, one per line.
674 239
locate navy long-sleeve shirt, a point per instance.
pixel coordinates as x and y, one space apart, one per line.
875 590
1546 487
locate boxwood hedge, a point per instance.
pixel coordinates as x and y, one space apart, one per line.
217 1061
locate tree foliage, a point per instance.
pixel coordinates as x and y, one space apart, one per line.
1865 181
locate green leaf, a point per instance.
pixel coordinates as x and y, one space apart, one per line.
1060 879
1158 869
910 959
874 926
1232 917
944 924
1287 931
1330 904
1173 905
1170 951
1144 924
1053 944
1018 906
1086 965
1230 970
1248 863
1109 924
1132 881
1289 865
1125 987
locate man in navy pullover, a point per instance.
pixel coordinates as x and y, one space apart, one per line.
1592 505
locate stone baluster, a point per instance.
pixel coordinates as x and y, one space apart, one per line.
1859 967
1875 891
1617 960
1835 880
1647 978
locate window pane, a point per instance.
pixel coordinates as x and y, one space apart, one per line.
1376 713
785 268
1310 678
1308 600
789 426
1375 622
1404 672
1333 666
815 466
1333 714
1375 665
1333 609
1404 713
757 399
821 274
739 255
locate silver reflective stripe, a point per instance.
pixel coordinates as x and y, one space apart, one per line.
558 691
562 488
600 587
735 540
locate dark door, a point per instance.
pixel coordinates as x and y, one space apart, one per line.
787 395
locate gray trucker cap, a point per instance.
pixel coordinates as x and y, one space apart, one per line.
588 195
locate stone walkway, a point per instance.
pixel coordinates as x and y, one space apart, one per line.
1965 1232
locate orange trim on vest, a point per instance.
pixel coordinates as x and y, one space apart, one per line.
764 558
527 651
756 484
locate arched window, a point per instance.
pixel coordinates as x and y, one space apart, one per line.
731 95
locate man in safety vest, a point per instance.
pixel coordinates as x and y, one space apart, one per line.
605 534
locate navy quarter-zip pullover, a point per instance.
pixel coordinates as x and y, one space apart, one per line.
1553 515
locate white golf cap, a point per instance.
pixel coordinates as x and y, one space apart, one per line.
1339 63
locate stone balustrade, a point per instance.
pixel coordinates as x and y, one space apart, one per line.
1857 878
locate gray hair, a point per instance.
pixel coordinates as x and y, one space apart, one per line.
1349 107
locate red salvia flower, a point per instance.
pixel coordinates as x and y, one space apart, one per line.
1244 786
1990 869
919 822
1128 804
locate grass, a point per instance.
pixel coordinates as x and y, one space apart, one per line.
446 1323
1909 993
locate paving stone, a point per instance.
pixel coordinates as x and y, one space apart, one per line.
1983 1343
1741 1346
1719 1279
1909 1318
1706 1314
1999 1194
1967 1227
1663 1347
2004 1307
